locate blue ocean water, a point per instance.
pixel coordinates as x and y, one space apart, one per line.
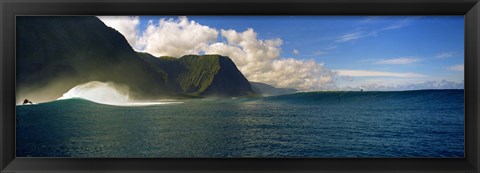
426 123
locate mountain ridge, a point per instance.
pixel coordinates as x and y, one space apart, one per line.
202 75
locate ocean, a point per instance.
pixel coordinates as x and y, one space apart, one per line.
423 123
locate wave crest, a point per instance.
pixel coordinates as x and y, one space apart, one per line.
108 93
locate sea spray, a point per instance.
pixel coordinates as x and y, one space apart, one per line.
108 93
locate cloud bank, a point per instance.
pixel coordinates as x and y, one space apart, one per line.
260 61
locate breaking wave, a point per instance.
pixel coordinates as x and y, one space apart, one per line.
108 93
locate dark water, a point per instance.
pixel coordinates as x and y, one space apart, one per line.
324 124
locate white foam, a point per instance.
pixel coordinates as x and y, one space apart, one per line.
108 93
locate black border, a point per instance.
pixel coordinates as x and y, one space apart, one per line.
10 8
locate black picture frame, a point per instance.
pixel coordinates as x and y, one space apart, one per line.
10 8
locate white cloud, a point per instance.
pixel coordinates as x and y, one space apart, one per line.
369 19
251 54
399 24
350 36
176 37
445 55
165 37
324 51
295 52
459 67
362 33
126 25
396 61
367 73
259 60
394 26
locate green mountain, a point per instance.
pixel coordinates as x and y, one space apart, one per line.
205 75
56 53
268 90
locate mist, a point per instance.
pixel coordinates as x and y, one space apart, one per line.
108 93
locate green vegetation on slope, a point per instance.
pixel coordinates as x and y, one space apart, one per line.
202 75
199 73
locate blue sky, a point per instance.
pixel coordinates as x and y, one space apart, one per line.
393 52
